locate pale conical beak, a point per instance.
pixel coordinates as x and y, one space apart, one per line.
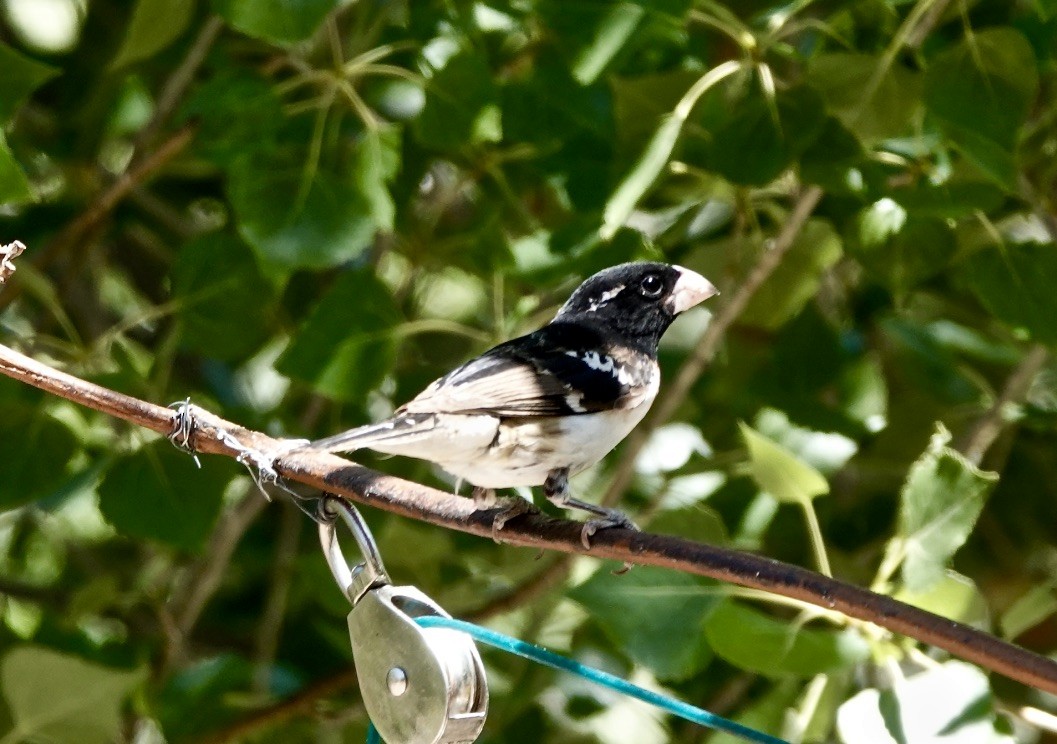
690 289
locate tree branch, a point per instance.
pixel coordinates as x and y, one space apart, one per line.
333 474
987 428
105 203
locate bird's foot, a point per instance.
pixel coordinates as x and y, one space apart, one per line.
608 520
506 508
513 507
556 489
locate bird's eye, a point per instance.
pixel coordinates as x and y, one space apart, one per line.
652 286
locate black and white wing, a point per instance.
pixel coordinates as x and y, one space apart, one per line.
561 369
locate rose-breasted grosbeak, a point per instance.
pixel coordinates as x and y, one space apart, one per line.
544 406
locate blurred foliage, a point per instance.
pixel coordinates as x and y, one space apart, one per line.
374 191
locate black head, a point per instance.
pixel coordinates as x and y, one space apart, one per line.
636 300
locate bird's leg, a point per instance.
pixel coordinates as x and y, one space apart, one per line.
485 498
556 489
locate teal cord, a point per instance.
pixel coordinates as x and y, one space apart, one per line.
547 658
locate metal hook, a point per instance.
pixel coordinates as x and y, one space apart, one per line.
357 580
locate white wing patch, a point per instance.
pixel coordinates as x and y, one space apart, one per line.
604 363
604 298
575 401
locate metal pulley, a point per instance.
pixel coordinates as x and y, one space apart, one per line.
419 685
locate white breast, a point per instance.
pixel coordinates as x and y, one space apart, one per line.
525 451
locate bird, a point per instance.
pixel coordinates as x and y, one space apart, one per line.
542 407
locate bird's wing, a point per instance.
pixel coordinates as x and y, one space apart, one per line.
553 372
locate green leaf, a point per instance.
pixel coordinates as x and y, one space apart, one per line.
21 77
980 92
461 105
777 471
901 251
1015 283
329 225
671 605
155 25
642 175
35 455
927 365
58 697
950 703
376 163
1030 609
797 278
751 140
14 187
696 521
344 354
158 493
236 113
843 78
753 641
939 504
220 288
612 32
279 21
767 713
954 596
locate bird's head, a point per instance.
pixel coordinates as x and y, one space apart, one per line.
638 300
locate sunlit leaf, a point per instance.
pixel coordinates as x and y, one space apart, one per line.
779 472
939 504
954 596
275 20
155 24
611 33
59 697
952 702
376 163
753 641
1030 609
797 278
642 176
900 251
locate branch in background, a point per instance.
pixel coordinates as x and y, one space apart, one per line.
987 428
298 704
332 474
203 578
271 625
532 588
179 81
105 203
707 346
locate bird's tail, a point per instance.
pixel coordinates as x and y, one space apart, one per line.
400 429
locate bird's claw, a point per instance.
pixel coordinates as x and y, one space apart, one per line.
510 508
609 521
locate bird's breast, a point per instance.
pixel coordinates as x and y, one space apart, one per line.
525 450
